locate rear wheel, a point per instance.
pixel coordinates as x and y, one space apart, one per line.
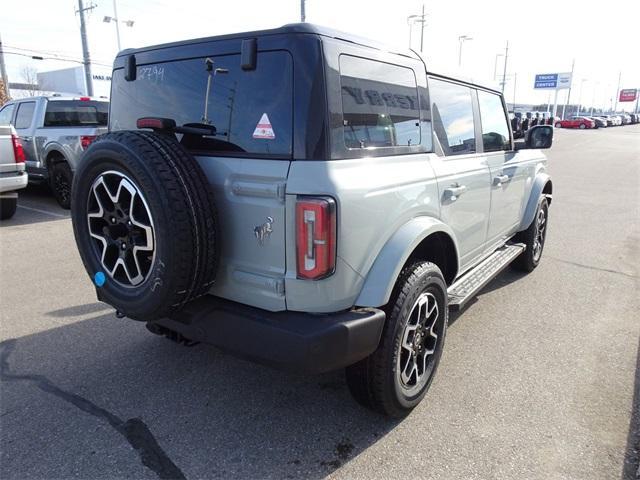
8 207
60 181
396 377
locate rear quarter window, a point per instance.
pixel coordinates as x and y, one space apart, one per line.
380 104
252 110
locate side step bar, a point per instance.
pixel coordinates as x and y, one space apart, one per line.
467 286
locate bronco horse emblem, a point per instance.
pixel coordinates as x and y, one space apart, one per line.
262 232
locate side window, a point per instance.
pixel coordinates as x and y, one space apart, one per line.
380 105
25 114
6 114
495 131
452 117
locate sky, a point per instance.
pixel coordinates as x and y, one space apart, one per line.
544 36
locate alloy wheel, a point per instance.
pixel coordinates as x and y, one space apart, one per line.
418 344
541 230
121 225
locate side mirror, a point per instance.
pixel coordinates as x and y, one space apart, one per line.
538 137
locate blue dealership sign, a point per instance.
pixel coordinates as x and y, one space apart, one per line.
546 80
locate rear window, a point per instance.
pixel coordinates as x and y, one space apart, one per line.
251 110
379 104
76 113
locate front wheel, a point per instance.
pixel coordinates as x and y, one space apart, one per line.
582 126
558 125
396 377
533 238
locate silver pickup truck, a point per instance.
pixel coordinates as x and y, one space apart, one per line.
55 131
12 171
307 199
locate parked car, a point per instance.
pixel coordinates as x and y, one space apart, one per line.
576 122
607 119
625 118
635 118
55 131
598 121
12 169
327 216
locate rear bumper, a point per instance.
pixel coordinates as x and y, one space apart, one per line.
14 179
293 341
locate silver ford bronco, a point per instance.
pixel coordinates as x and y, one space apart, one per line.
306 199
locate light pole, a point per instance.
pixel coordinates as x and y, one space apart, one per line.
495 65
593 98
506 57
580 95
116 20
411 19
461 40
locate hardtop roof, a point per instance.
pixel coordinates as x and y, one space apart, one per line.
291 29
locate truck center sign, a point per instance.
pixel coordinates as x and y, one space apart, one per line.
552 81
628 95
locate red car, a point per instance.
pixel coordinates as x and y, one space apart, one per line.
576 122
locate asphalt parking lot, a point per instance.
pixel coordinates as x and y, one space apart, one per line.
539 376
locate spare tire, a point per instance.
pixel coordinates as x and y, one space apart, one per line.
145 224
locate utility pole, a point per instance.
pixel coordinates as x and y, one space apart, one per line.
617 92
115 13
85 48
515 79
573 64
303 15
593 98
504 74
3 71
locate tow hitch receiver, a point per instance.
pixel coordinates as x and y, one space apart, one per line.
171 335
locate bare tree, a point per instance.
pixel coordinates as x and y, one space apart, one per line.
3 96
30 79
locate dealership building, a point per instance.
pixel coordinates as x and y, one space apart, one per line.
71 81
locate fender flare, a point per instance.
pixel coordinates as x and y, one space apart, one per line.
52 147
382 275
542 179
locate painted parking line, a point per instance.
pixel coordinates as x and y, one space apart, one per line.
58 215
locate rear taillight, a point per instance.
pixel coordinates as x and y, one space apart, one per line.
18 149
86 140
315 237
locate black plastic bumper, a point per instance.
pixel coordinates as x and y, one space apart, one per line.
294 341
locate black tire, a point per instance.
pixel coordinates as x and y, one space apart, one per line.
528 260
375 381
60 181
8 207
181 213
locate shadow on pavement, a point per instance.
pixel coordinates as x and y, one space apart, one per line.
35 205
181 412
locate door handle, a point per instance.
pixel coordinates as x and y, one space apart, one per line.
26 139
500 179
454 191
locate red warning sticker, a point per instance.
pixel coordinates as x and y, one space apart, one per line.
264 129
